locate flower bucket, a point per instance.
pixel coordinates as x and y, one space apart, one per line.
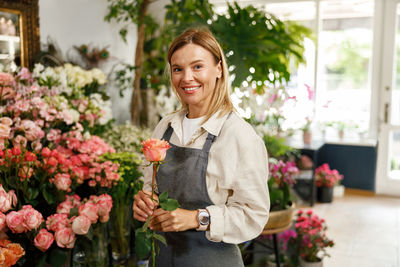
324 194
280 218
303 263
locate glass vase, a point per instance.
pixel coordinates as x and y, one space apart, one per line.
91 250
120 232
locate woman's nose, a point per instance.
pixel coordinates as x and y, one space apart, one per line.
188 75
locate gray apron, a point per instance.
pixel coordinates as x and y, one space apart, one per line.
183 174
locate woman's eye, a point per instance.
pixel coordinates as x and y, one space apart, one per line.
177 69
197 67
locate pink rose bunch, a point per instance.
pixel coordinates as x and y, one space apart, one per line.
324 176
283 172
66 225
155 150
311 239
24 220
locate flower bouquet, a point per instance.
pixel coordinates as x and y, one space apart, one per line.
46 157
310 239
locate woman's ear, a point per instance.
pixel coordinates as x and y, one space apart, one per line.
219 70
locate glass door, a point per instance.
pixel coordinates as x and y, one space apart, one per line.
388 169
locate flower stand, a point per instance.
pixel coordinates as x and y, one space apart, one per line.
324 194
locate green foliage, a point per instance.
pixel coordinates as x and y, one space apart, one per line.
277 148
166 203
254 38
142 243
352 60
280 198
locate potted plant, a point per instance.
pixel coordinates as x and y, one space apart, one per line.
325 179
281 180
310 241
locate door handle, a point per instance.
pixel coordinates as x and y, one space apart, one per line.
386 115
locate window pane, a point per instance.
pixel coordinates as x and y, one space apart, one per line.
394 155
345 49
395 112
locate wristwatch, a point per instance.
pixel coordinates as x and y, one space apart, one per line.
203 218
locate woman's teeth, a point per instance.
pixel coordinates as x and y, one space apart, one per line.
191 88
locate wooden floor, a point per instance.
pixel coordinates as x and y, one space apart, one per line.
365 228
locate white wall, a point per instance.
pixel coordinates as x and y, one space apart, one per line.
77 22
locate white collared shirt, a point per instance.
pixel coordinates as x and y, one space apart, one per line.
236 178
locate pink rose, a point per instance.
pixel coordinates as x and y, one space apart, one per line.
56 222
6 121
105 203
81 225
155 150
65 238
3 223
19 141
15 221
43 240
5 201
90 210
64 207
74 199
4 131
62 181
32 218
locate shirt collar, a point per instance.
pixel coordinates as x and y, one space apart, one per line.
213 125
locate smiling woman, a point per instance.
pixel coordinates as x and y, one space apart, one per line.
216 167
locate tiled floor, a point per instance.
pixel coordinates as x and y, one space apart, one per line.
366 230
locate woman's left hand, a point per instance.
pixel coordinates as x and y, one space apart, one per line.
174 221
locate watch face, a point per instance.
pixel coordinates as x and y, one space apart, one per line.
204 218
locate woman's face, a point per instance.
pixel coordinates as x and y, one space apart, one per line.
194 74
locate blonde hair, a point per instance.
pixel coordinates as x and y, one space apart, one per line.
220 100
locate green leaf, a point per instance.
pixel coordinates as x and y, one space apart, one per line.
142 243
42 260
170 204
49 197
163 197
160 238
146 225
57 257
32 193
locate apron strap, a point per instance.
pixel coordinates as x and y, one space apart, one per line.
168 133
207 145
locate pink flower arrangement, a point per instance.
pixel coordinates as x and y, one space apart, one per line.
324 176
311 238
281 179
47 151
283 172
64 224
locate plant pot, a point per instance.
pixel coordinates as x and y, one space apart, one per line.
303 263
280 218
338 191
324 194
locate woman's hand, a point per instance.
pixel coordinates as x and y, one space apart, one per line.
174 221
143 206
